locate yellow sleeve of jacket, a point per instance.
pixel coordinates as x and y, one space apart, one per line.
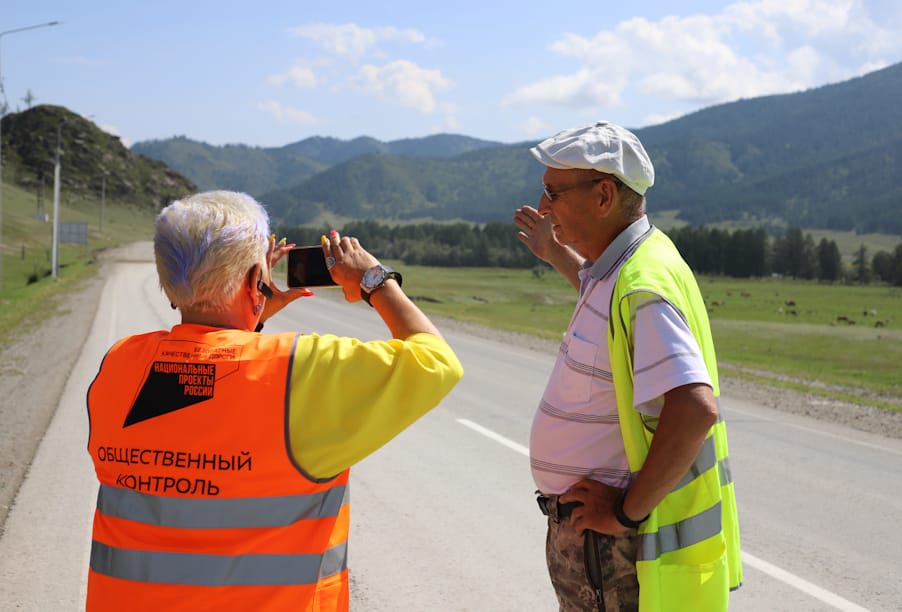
347 398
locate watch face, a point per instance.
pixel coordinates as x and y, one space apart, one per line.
373 277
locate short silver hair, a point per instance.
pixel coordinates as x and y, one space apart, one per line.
206 244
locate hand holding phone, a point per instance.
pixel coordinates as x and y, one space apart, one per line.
307 268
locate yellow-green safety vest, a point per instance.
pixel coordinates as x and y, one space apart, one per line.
688 550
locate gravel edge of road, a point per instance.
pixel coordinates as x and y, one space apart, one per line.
34 368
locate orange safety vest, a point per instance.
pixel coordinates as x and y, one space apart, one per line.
201 504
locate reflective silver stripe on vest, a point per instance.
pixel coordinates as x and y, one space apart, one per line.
726 474
216 570
683 534
219 512
704 461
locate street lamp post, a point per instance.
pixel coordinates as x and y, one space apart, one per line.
55 259
3 102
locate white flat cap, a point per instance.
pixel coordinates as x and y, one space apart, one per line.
602 146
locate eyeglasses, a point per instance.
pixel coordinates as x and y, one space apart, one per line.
553 194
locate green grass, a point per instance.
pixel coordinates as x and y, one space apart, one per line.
756 335
516 300
755 332
850 336
29 293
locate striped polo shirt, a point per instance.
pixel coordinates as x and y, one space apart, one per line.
576 432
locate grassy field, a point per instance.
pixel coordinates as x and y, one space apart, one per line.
29 292
839 341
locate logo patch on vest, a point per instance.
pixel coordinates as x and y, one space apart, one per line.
171 386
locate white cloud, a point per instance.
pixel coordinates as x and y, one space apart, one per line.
352 41
699 60
658 118
403 82
347 61
534 126
450 123
774 18
110 129
584 88
286 113
299 75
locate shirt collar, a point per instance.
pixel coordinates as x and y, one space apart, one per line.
620 249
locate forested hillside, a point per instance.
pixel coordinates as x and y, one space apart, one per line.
257 170
828 158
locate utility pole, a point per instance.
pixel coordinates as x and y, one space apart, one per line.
56 203
2 112
102 199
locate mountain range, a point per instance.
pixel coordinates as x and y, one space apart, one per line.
826 158
829 158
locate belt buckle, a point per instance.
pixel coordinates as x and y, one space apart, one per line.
543 504
550 507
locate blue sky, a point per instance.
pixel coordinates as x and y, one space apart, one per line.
272 73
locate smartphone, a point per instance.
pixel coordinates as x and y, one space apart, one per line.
307 268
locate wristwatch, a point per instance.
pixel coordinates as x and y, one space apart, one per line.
374 278
621 516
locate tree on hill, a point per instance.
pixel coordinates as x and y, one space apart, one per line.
829 261
28 99
861 272
794 254
888 266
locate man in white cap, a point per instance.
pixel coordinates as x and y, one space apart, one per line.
628 449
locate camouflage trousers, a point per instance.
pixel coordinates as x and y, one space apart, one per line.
566 551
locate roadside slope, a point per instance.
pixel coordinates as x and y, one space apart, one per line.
34 368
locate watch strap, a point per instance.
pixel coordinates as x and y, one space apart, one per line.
621 516
365 295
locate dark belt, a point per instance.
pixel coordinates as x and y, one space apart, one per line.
551 507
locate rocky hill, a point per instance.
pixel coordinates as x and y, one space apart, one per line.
88 154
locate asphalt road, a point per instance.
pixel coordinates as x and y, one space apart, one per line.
444 516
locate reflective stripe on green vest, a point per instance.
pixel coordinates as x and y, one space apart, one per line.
688 557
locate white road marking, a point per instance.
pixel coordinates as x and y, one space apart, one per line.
792 580
488 433
771 570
